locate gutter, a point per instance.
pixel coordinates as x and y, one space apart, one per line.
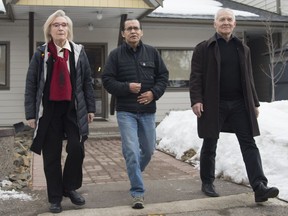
154 4
9 10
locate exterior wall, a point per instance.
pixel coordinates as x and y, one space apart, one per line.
269 5
12 101
164 36
262 82
174 37
284 6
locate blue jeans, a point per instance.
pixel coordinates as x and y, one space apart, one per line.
138 135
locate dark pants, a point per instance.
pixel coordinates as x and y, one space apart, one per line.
63 120
236 115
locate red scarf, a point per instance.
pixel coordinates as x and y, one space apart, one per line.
60 86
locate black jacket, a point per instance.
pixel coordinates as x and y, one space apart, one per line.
144 66
83 91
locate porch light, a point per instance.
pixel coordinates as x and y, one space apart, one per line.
90 27
99 15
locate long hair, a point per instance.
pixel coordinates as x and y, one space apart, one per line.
51 18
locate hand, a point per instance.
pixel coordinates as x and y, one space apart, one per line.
145 97
135 87
32 123
198 109
90 117
256 112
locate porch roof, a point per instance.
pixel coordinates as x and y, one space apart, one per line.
101 14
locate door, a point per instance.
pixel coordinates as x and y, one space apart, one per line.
96 55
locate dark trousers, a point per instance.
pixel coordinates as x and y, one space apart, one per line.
63 121
236 115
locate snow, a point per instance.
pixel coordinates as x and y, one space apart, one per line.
7 195
181 8
177 133
2 8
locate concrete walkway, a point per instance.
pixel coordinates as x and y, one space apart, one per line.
172 186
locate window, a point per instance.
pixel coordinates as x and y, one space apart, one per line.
178 62
4 65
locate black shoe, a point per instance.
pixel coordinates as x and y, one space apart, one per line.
55 208
209 190
262 193
75 197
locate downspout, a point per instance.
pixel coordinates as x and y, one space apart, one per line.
120 40
31 34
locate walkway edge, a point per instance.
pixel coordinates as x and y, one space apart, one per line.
225 202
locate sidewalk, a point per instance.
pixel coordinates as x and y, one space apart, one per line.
172 186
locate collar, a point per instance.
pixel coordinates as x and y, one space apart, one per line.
218 36
131 48
66 46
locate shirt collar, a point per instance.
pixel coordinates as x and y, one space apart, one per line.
218 36
137 48
66 46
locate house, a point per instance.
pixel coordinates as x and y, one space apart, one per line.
97 27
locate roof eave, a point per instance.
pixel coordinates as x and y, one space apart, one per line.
209 21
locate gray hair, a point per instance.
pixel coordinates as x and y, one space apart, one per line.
51 18
224 10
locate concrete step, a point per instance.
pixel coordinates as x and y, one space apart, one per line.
104 129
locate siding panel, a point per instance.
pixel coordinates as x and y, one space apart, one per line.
12 101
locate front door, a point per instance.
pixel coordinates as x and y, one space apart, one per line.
96 55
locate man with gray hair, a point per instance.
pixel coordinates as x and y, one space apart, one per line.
224 99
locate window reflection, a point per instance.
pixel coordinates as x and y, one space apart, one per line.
4 69
178 63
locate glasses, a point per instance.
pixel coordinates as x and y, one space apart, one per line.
129 29
57 25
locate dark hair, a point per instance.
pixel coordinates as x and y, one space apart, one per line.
123 26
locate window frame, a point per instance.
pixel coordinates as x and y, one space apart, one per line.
160 49
6 86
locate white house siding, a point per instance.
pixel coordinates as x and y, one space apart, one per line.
172 101
164 36
284 7
12 101
269 5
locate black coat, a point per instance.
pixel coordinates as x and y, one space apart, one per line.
83 92
204 86
146 67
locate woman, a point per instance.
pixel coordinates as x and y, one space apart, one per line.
59 103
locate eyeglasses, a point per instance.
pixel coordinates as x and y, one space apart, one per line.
129 29
57 25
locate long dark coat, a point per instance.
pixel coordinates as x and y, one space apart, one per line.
35 84
204 86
